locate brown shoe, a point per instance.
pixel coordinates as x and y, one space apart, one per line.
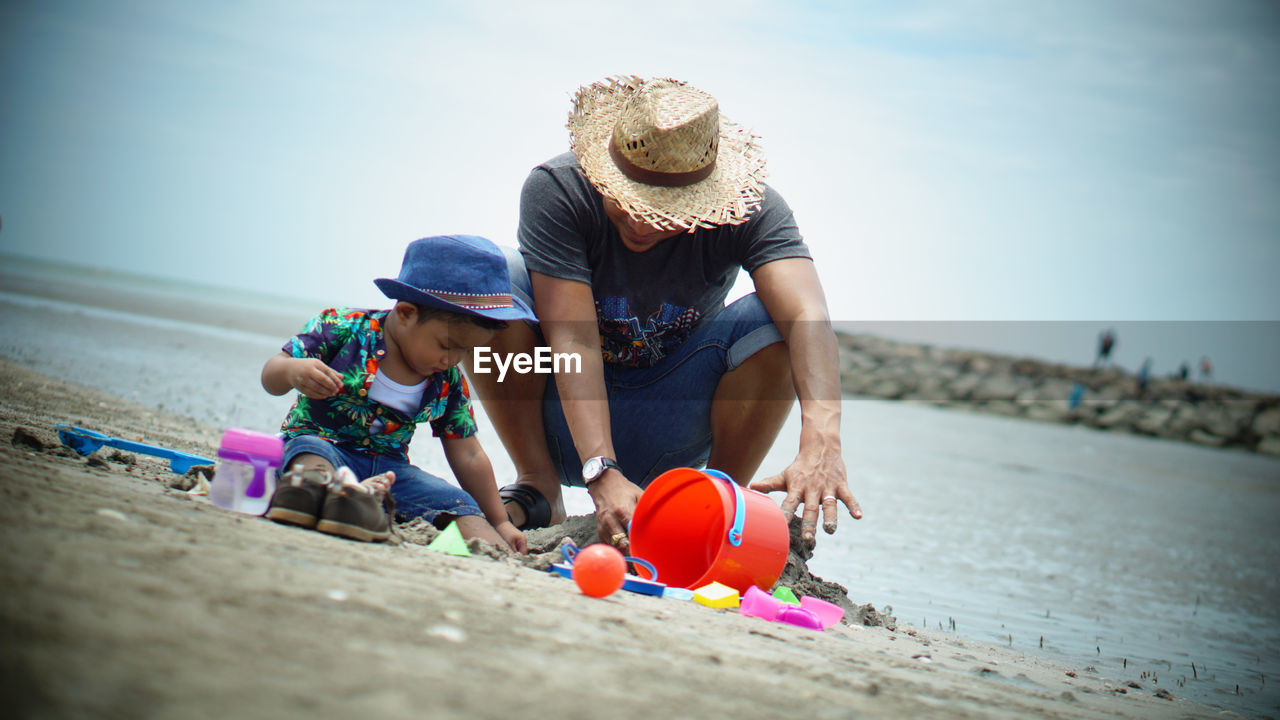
353 512
299 497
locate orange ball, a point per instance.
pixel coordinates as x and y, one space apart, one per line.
599 570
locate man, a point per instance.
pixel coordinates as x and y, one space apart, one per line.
629 246
1106 341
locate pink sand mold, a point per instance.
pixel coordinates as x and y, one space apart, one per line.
828 613
758 603
798 616
811 613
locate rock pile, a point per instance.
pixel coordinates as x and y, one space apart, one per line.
1104 398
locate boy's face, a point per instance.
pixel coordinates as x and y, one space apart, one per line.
437 344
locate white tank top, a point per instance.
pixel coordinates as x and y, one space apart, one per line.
405 398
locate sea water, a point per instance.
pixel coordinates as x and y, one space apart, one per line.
1135 556
1140 558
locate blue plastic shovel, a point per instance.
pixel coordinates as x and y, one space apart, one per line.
86 441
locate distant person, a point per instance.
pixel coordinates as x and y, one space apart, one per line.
629 246
1183 371
366 378
1144 376
1106 342
1206 368
1077 394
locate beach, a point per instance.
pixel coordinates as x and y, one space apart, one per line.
1040 234
1010 552
127 597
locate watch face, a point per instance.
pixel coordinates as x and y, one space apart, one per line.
593 468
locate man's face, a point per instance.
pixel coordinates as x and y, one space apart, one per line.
636 236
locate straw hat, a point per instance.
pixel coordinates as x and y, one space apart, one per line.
661 149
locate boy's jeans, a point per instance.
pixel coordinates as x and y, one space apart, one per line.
417 493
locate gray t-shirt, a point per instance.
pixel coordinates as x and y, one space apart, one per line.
647 303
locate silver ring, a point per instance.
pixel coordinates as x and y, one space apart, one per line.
829 497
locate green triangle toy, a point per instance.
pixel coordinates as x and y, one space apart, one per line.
450 541
784 594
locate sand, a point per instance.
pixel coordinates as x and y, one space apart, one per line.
126 596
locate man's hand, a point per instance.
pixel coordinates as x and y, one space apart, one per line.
792 294
816 480
615 497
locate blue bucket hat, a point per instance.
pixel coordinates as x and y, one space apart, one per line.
461 273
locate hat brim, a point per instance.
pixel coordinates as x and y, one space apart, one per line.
726 197
397 290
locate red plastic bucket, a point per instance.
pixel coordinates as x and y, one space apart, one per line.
697 527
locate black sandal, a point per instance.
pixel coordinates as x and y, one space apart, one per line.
537 511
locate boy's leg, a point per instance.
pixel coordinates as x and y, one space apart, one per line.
311 453
418 493
514 406
379 484
311 461
307 467
302 454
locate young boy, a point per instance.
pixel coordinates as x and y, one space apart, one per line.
365 378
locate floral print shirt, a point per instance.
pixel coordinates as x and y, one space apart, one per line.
351 342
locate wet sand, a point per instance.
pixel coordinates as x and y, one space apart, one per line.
127 597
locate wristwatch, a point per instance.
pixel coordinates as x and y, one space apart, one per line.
594 467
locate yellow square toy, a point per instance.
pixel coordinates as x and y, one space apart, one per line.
716 595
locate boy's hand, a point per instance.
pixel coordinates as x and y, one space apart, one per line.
313 378
512 537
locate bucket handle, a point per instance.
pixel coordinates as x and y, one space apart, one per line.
570 550
739 506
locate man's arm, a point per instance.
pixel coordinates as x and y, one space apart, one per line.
566 311
792 293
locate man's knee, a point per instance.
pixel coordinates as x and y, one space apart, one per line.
764 375
772 360
515 337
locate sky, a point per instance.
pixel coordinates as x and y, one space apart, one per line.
968 160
